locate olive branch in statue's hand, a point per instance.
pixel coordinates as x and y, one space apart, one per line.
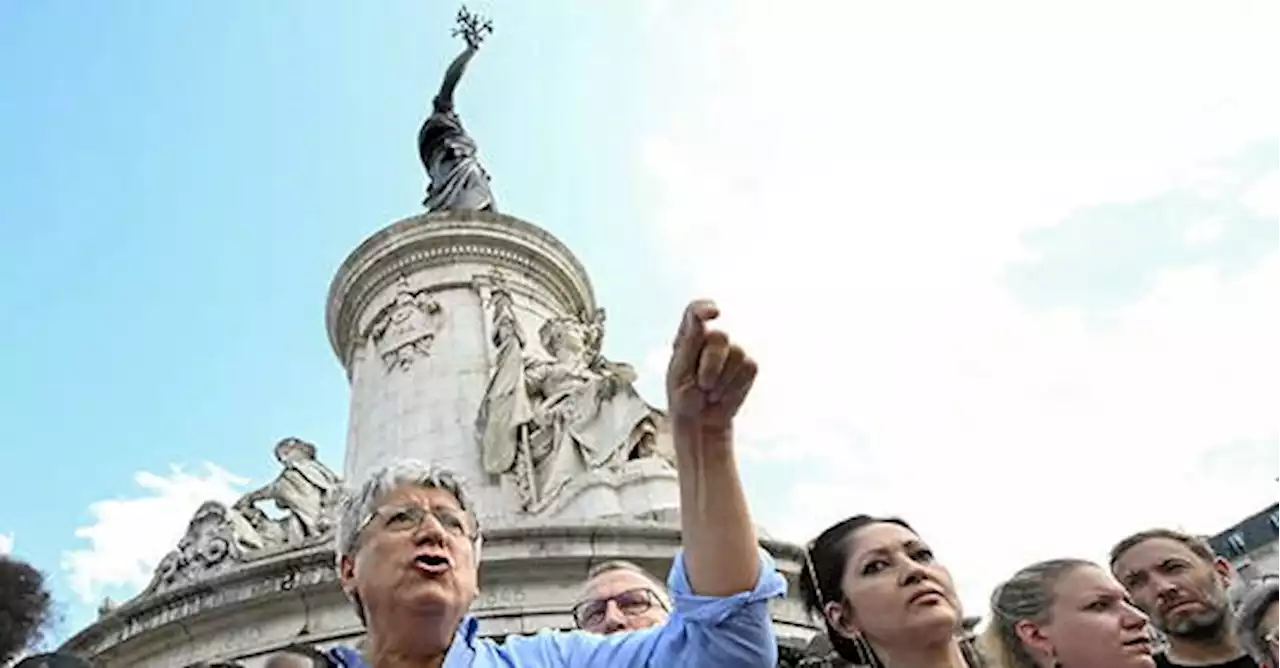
473 27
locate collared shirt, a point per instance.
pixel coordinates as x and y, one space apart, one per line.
733 631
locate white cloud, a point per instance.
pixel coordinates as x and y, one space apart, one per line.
1204 233
129 536
1264 198
852 182
6 543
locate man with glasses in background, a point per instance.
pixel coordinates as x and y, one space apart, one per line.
621 596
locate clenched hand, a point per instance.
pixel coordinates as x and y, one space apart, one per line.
709 376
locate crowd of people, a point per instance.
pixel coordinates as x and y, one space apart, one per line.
409 545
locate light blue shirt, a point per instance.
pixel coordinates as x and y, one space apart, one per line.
734 632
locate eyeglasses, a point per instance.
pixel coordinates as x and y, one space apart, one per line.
630 603
403 519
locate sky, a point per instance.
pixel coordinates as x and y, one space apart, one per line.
1010 270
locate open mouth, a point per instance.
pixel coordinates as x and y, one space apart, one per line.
432 563
1141 644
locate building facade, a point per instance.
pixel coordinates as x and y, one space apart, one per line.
1251 544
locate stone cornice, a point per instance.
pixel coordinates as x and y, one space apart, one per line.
444 238
253 582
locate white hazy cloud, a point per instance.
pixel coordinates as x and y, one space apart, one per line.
1204 232
853 181
6 543
1264 198
128 536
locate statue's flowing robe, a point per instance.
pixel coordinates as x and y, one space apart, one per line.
505 408
304 487
247 537
458 181
590 420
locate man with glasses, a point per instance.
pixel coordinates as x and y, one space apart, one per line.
621 596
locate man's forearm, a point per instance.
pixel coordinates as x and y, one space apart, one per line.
719 538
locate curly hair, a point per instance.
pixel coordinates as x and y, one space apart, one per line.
26 607
1249 616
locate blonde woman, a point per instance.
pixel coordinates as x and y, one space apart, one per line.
1065 613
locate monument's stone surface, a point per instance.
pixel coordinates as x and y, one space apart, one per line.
471 339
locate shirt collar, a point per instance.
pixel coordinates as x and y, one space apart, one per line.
465 636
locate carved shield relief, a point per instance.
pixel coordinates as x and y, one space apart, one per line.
406 328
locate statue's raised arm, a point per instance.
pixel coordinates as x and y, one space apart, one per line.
473 30
443 101
457 180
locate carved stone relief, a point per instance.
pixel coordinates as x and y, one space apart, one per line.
305 494
550 417
503 597
202 599
305 490
203 550
406 328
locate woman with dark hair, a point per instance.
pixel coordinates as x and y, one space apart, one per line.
886 601
26 608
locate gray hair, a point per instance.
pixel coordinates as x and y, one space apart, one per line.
359 505
612 565
1261 597
622 565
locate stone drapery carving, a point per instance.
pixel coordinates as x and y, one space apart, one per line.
449 154
218 536
406 328
306 490
546 420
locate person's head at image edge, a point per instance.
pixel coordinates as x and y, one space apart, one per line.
1257 620
26 608
884 597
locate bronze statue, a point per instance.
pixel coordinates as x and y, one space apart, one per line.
449 154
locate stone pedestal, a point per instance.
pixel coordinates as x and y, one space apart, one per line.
410 318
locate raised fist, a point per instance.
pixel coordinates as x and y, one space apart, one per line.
709 376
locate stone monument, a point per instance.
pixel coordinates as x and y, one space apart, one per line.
472 339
